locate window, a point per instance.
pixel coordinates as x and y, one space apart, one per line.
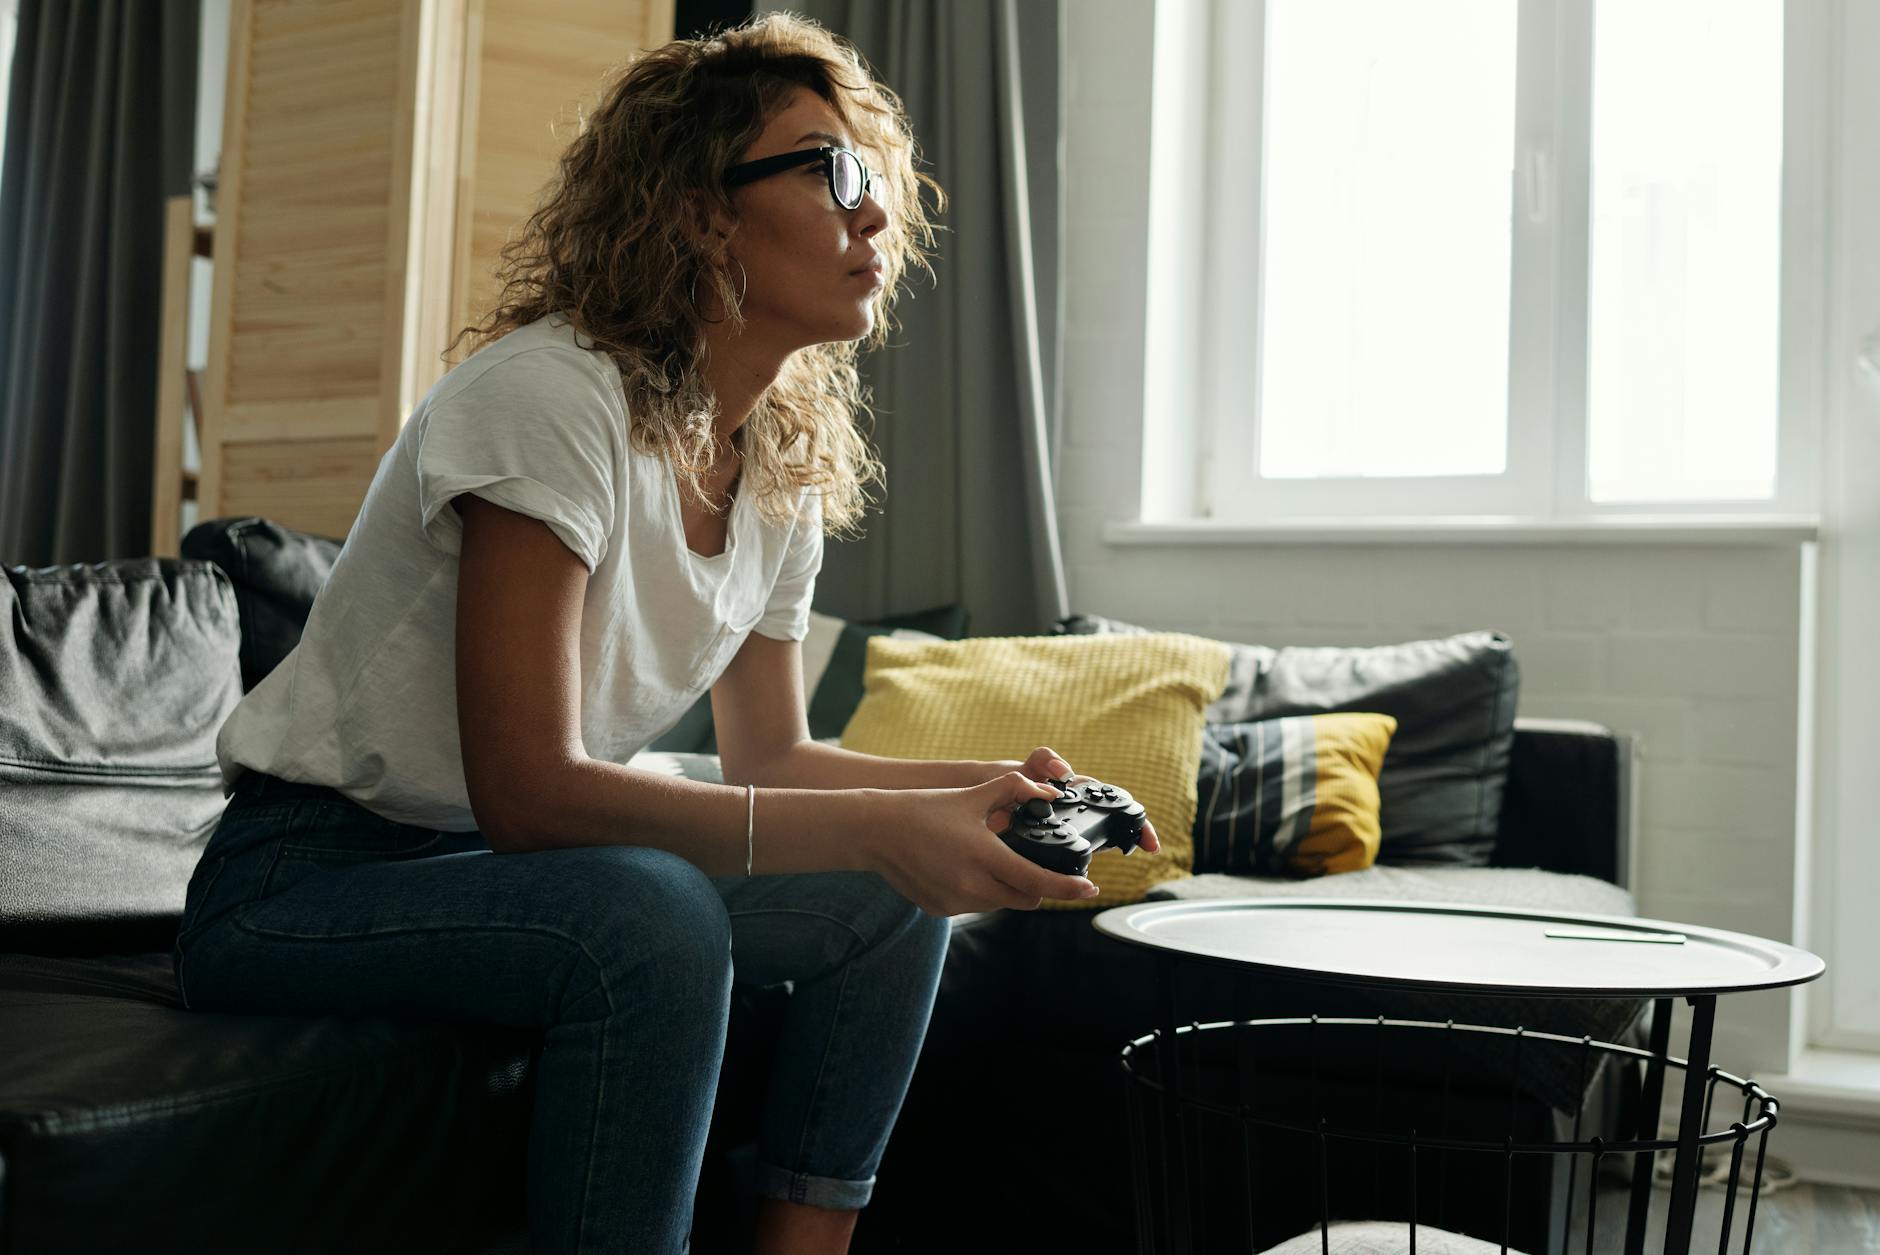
1686 251
9 32
1546 258
1385 250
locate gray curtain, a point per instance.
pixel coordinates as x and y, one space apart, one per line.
100 129
966 395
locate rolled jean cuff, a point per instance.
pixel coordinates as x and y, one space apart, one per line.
800 1187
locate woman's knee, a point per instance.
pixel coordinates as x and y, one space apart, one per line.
935 930
645 905
892 917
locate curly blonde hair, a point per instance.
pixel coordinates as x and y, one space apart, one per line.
609 248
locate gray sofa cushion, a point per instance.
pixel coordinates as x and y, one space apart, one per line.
1475 886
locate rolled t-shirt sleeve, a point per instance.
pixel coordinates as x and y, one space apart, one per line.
786 613
537 432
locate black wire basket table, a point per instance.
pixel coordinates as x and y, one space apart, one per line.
1233 1120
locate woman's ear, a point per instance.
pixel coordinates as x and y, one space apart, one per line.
706 224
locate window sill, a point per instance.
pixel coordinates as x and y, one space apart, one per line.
1831 1086
1644 529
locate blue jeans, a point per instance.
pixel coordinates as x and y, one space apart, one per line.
306 903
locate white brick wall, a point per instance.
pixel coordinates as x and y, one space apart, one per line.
1694 648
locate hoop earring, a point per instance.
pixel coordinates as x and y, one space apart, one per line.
744 285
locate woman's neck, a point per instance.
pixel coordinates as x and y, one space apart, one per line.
739 364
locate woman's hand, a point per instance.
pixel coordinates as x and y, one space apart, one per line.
938 848
1045 764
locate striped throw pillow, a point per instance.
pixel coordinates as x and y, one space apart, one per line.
1294 796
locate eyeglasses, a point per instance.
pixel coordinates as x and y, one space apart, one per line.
849 179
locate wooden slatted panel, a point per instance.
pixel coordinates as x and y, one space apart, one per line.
346 222
309 286
311 485
533 69
308 315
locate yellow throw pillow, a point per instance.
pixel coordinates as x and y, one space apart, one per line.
1291 796
1126 709
1345 833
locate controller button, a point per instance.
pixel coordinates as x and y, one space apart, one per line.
1038 808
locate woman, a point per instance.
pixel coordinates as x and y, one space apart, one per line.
614 504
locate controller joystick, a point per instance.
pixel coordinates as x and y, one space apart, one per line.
1086 818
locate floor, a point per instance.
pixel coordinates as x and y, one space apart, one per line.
1797 1219
1802 1219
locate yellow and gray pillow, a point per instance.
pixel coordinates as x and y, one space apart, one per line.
1294 796
1454 701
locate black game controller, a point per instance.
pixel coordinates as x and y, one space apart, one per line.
1086 817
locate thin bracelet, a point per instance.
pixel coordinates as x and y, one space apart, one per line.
750 827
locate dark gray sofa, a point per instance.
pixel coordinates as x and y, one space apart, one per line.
128 1122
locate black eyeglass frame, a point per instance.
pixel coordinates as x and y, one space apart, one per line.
828 154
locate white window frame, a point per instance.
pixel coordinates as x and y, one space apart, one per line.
1215 163
9 36
1835 880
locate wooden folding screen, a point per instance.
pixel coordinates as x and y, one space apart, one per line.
375 156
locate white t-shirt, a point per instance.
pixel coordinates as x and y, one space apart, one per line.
367 702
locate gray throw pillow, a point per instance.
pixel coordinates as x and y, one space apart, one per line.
114 680
1454 701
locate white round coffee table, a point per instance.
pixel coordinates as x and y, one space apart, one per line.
1483 951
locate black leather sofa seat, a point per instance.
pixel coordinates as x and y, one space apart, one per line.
119 1107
